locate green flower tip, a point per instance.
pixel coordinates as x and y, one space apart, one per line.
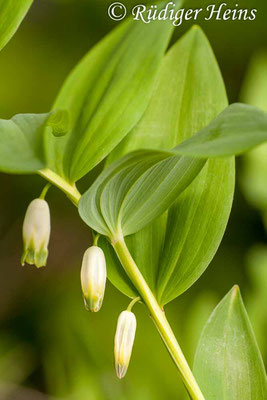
32 257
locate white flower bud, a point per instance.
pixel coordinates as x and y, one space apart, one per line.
36 233
93 278
123 343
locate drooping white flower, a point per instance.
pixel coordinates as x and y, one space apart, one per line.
36 233
124 340
93 278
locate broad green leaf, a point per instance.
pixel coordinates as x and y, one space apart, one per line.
176 249
118 187
90 203
228 364
237 129
135 190
254 171
22 140
106 95
12 13
143 192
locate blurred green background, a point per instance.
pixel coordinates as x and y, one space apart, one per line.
50 347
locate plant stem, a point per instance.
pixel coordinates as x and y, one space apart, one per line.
133 302
95 241
44 191
146 294
70 190
159 319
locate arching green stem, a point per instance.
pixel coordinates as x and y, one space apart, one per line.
44 191
133 302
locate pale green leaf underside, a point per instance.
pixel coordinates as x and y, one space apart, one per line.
135 190
189 94
12 13
106 95
228 364
22 140
237 129
90 203
153 189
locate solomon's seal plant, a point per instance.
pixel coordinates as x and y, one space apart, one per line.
93 278
124 340
36 233
159 208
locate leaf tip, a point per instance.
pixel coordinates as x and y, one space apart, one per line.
195 27
235 293
197 30
196 35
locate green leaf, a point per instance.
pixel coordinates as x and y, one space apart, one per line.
237 129
228 364
143 192
106 95
59 122
22 140
135 190
174 251
12 13
89 205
